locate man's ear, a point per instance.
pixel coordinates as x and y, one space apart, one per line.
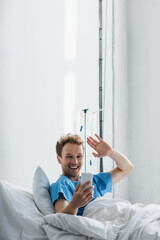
59 159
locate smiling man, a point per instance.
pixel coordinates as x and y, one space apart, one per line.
68 196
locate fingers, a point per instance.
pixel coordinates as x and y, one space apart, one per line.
89 190
96 155
93 141
90 143
87 199
99 138
88 195
84 186
82 195
84 190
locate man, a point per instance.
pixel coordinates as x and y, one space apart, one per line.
67 194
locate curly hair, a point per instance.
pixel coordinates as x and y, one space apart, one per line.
69 138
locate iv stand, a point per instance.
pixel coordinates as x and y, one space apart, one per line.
100 79
100 89
85 161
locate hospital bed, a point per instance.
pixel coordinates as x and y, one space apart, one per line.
27 214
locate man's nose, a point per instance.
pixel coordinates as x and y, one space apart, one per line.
75 160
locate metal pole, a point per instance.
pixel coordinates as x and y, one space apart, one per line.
85 162
100 79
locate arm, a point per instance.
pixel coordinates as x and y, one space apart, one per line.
124 166
123 169
80 198
62 206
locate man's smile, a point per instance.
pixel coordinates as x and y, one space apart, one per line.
73 167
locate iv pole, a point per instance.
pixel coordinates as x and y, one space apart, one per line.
85 160
100 88
100 79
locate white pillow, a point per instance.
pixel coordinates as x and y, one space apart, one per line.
19 216
41 193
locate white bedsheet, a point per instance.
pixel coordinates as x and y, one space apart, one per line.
107 219
19 217
102 219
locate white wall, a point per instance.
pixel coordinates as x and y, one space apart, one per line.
117 87
32 72
144 110
120 88
136 112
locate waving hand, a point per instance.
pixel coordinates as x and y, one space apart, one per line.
101 147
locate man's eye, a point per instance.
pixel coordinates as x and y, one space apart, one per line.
79 156
69 156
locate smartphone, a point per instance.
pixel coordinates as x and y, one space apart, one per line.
85 177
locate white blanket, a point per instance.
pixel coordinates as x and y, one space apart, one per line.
102 219
106 219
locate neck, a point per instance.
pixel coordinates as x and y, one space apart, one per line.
72 178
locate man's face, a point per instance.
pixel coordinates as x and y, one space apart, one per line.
71 160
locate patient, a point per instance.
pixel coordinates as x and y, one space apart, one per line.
68 196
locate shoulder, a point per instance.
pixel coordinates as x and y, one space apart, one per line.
62 180
103 181
102 176
62 186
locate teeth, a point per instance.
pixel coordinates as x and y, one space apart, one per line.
73 167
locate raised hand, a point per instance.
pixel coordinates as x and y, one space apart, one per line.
101 147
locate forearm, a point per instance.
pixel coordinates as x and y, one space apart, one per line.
69 209
80 198
121 161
